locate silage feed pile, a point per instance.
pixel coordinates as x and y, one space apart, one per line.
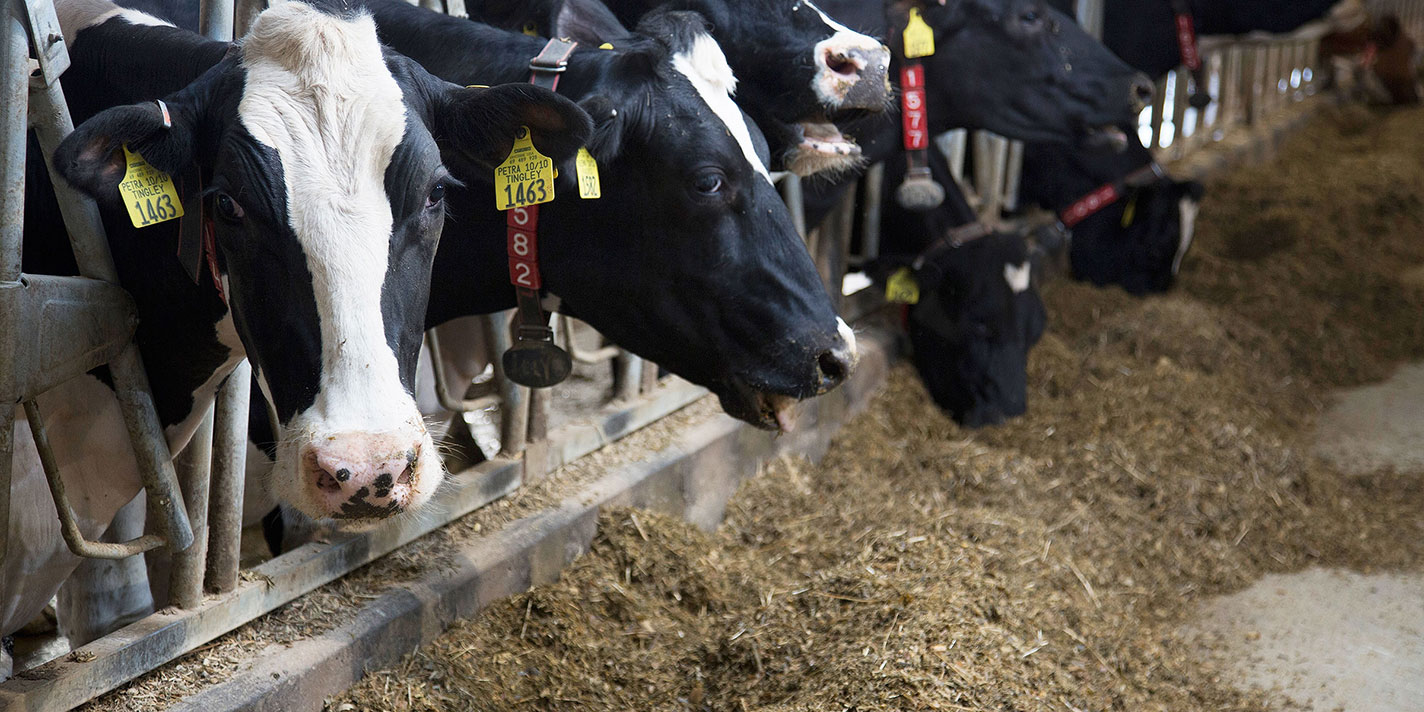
1043 565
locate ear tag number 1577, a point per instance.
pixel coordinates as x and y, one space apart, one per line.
148 193
525 178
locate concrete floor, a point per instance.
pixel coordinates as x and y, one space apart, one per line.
1339 641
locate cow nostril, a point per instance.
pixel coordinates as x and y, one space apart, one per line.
406 475
1143 90
833 368
326 482
840 63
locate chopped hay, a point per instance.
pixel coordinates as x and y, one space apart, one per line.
1043 565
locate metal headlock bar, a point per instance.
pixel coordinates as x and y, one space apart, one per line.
1239 69
55 328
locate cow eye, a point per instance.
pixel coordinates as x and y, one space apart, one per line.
1032 19
229 209
437 194
708 182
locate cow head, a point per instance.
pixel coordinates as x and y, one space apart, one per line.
799 68
1138 243
978 315
690 258
321 157
1023 70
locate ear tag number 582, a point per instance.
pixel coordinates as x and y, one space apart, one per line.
148 193
525 178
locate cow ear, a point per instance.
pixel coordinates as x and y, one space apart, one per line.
611 126
476 127
588 22
92 158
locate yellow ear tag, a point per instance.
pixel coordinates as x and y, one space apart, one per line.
919 38
1129 212
148 193
606 45
525 178
902 287
587 170
530 29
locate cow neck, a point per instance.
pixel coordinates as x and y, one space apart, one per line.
1108 193
1191 54
534 360
918 191
952 239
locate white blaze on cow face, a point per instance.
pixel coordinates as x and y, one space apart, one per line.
1018 277
842 60
706 67
1187 222
319 93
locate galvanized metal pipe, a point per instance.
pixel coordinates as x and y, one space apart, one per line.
14 66
539 401
650 376
580 354
628 378
449 401
14 70
228 480
245 14
514 414
874 183
1013 175
215 19
68 521
795 203
194 465
51 122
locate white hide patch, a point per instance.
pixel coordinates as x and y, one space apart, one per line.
706 67
318 92
848 336
1018 277
76 15
1187 223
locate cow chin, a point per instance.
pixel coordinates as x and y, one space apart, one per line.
763 409
354 478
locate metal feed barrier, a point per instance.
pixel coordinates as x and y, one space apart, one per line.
209 593
49 332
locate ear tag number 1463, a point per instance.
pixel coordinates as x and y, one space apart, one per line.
148 193
525 178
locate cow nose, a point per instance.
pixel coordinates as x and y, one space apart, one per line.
853 73
835 364
1142 90
361 475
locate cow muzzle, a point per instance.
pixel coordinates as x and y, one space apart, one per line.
364 476
772 410
852 72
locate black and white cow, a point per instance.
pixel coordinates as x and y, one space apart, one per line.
1144 32
1136 241
797 67
689 259
1018 68
979 311
320 159
1022 69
